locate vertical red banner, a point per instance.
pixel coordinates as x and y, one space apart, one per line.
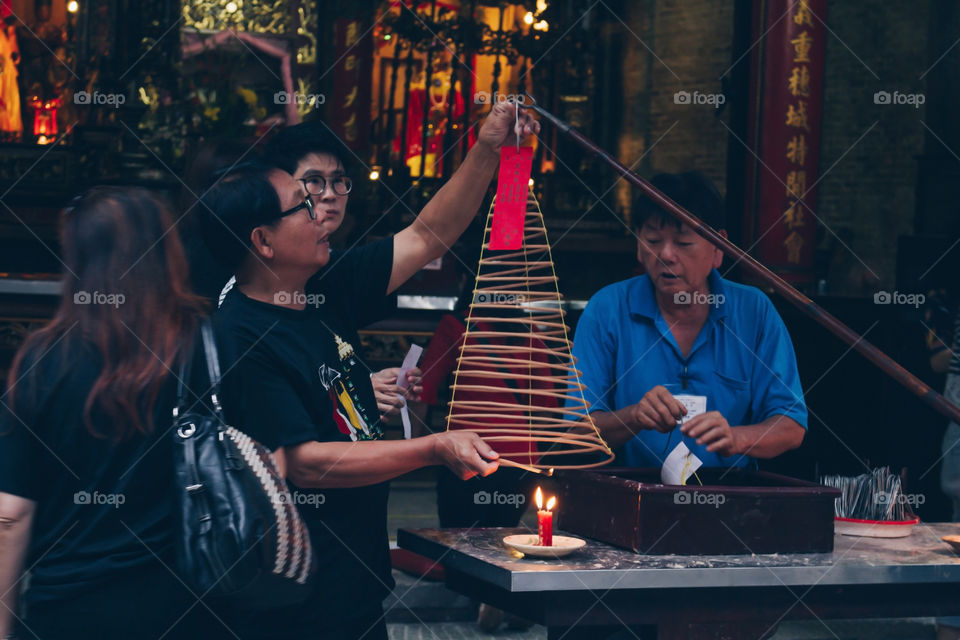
510 208
788 92
349 107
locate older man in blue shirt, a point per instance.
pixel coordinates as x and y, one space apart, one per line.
683 329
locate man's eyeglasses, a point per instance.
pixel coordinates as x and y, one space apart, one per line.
315 185
306 204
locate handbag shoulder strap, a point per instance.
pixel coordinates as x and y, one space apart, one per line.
213 369
185 369
213 363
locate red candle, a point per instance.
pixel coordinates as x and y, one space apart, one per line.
544 520
545 528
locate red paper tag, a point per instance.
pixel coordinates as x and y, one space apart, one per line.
511 204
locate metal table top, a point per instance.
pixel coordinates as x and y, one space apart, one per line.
921 557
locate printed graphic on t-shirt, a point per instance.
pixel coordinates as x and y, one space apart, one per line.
349 414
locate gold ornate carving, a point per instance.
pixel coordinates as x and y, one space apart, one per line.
306 106
307 28
263 16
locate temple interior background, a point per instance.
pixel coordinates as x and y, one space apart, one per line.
126 92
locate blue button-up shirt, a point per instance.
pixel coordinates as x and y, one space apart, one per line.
742 361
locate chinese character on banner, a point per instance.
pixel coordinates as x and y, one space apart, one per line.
351 97
349 112
787 105
803 16
801 47
799 82
797 183
797 117
794 215
353 33
797 149
794 244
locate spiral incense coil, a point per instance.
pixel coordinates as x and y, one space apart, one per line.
517 343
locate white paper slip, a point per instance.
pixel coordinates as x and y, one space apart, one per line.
679 465
695 406
409 362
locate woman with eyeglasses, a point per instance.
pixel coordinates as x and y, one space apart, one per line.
314 156
320 163
303 387
86 473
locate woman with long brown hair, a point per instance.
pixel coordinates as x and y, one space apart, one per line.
85 453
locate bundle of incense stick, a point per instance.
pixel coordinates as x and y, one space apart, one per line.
871 496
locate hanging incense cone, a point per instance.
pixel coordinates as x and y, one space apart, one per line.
517 342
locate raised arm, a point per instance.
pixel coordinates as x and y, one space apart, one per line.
449 212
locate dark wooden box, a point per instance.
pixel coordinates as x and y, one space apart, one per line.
734 512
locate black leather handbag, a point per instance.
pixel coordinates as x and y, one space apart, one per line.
239 535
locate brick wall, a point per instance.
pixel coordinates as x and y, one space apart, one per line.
680 45
687 44
871 186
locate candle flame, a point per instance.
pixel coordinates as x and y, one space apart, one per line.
538 498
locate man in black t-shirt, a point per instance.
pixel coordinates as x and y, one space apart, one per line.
300 380
300 387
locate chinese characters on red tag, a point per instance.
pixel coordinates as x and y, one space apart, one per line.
511 204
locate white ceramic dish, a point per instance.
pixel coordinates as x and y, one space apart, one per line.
527 545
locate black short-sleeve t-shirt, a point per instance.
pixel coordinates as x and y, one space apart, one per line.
298 377
104 508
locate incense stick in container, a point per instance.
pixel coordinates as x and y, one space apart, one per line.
872 504
876 496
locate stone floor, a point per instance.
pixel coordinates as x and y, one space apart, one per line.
423 609
914 629
920 629
458 631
